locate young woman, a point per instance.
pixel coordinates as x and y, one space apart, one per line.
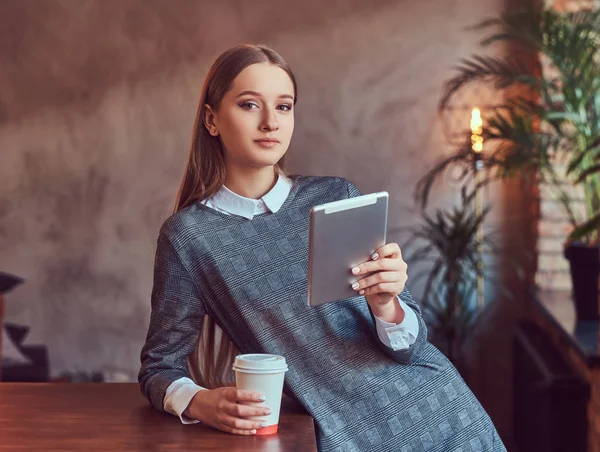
234 255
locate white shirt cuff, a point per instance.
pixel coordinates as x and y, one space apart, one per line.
178 396
399 336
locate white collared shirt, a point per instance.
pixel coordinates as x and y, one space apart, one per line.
231 203
396 336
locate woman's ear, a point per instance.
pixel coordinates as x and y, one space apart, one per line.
209 121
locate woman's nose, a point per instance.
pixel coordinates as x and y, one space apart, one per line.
270 122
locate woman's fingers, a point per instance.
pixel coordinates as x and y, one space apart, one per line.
235 410
241 426
241 395
381 264
387 258
239 432
242 410
387 288
388 250
379 282
376 278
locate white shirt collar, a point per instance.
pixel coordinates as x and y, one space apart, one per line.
275 197
234 204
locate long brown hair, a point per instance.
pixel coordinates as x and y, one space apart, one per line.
205 173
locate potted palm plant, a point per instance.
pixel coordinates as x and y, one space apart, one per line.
446 241
547 125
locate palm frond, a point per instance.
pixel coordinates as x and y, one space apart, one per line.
591 225
462 158
501 72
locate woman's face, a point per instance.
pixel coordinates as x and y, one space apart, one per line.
258 107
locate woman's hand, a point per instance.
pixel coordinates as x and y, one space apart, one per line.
387 280
220 409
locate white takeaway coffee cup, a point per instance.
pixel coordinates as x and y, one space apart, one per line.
262 373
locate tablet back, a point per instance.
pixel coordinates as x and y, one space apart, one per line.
343 234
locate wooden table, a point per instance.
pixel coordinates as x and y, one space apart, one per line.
116 417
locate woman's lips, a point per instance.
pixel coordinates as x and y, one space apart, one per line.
267 142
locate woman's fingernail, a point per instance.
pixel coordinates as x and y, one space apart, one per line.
355 270
263 425
361 292
355 286
374 256
253 432
262 398
267 412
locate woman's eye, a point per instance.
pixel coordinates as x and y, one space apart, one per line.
253 106
249 105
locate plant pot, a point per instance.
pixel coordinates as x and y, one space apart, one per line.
584 261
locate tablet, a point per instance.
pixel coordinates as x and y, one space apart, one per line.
343 234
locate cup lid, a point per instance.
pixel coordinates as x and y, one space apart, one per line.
260 362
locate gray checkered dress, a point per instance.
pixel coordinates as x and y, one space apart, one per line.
251 277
